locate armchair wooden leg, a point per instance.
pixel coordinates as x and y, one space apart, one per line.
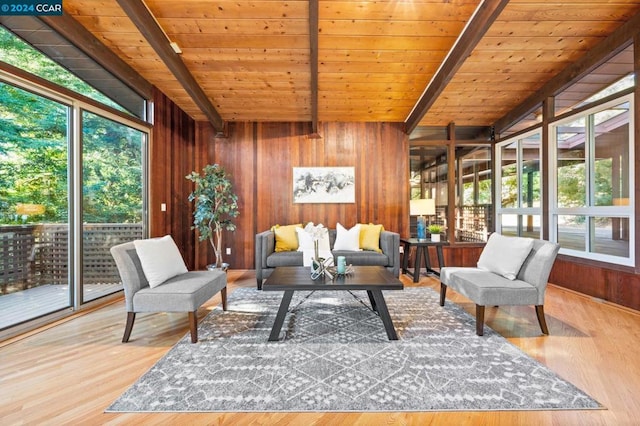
131 317
223 295
443 293
193 326
479 320
541 319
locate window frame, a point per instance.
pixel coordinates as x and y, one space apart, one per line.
519 211
592 211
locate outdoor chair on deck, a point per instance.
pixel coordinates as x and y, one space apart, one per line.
147 288
511 271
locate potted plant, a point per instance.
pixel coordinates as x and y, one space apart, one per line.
435 230
215 205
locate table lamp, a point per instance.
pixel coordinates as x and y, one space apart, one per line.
421 208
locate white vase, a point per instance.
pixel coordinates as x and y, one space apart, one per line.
435 238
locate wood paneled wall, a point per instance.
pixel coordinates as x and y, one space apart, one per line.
173 155
260 158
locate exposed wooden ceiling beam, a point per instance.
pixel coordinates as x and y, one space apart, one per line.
313 60
480 22
148 26
606 49
72 30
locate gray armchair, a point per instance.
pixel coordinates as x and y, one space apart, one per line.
183 293
488 288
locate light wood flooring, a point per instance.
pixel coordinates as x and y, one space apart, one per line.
70 372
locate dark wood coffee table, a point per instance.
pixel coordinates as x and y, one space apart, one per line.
372 279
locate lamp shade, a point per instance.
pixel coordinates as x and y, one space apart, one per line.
422 207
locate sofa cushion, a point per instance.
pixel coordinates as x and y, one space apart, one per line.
286 237
505 255
285 258
484 287
370 237
347 239
187 292
363 258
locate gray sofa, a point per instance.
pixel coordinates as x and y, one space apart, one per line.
267 259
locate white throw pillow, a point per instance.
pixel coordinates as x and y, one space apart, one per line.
160 259
347 239
305 240
505 255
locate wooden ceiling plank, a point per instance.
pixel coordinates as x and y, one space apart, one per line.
552 28
141 16
545 11
191 26
607 48
382 42
372 67
480 22
398 10
366 27
230 9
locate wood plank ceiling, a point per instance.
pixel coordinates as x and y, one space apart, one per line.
375 59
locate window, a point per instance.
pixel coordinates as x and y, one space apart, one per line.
518 186
474 204
592 182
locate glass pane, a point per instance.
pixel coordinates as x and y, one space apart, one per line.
33 206
473 214
611 174
530 171
572 176
112 198
476 177
509 181
610 235
530 226
572 231
509 225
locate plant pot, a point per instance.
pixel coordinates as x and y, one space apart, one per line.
213 267
435 238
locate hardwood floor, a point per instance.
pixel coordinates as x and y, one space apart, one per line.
69 373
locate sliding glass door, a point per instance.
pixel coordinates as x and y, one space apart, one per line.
34 206
71 187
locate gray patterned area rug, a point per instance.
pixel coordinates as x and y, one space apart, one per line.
336 357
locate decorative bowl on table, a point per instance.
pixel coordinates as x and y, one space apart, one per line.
334 270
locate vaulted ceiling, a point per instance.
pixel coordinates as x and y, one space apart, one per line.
420 62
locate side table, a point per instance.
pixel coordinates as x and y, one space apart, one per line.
422 251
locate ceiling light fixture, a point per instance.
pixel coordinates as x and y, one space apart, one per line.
175 47
173 44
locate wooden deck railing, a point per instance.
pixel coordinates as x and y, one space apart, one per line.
33 255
